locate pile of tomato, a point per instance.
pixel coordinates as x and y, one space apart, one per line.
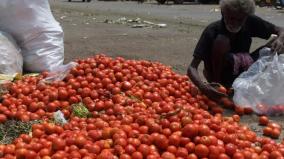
139 110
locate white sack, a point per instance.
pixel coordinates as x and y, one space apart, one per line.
36 31
11 60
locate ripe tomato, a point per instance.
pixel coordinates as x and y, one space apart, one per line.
80 141
137 155
201 150
182 152
275 133
230 149
263 120
167 155
222 89
3 118
190 130
58 144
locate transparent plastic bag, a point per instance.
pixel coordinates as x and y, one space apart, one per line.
11 60
262 86
59 73
36 31
59 118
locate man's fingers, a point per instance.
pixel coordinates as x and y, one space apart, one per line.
281 49
273 46
219 94
278 48
270 43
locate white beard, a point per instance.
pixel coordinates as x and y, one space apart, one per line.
233 29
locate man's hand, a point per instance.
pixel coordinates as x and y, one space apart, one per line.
212 93
278 44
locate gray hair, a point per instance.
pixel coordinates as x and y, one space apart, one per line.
243 6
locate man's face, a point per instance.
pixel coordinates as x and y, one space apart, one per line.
234 20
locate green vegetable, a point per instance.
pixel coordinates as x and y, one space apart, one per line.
80 110
12 129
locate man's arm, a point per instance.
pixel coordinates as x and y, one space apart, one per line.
209 91
192 73
264 29
278 44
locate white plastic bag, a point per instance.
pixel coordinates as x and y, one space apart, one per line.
36 31
59 73
11 60
59 118
262 86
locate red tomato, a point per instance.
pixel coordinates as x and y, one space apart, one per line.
201 150
58 144
230 149
3 118
190 130
137 155
263 120
167 155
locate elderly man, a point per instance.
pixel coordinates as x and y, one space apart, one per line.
224 45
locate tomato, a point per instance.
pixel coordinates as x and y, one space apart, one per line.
24 118
186 120
274 125
175 126
192 156
223 156
144 149
230 149
201 150
51 107
194 91
126 85
93 148
222 89
75 154
275 155
44 152
21 153
267 131
182 152
80 141
174 140
275 133
3 118
121 141
168 155
130 149
161 141
263 120
125 156
238 155
58 144
229 104
239 110
172 149
203 130
190 130
31 154
137 155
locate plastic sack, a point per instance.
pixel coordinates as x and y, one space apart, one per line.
261 87
11 60
59 118
36 31
59 73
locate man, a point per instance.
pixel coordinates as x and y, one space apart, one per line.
224 45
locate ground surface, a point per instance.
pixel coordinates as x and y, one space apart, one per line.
89 30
